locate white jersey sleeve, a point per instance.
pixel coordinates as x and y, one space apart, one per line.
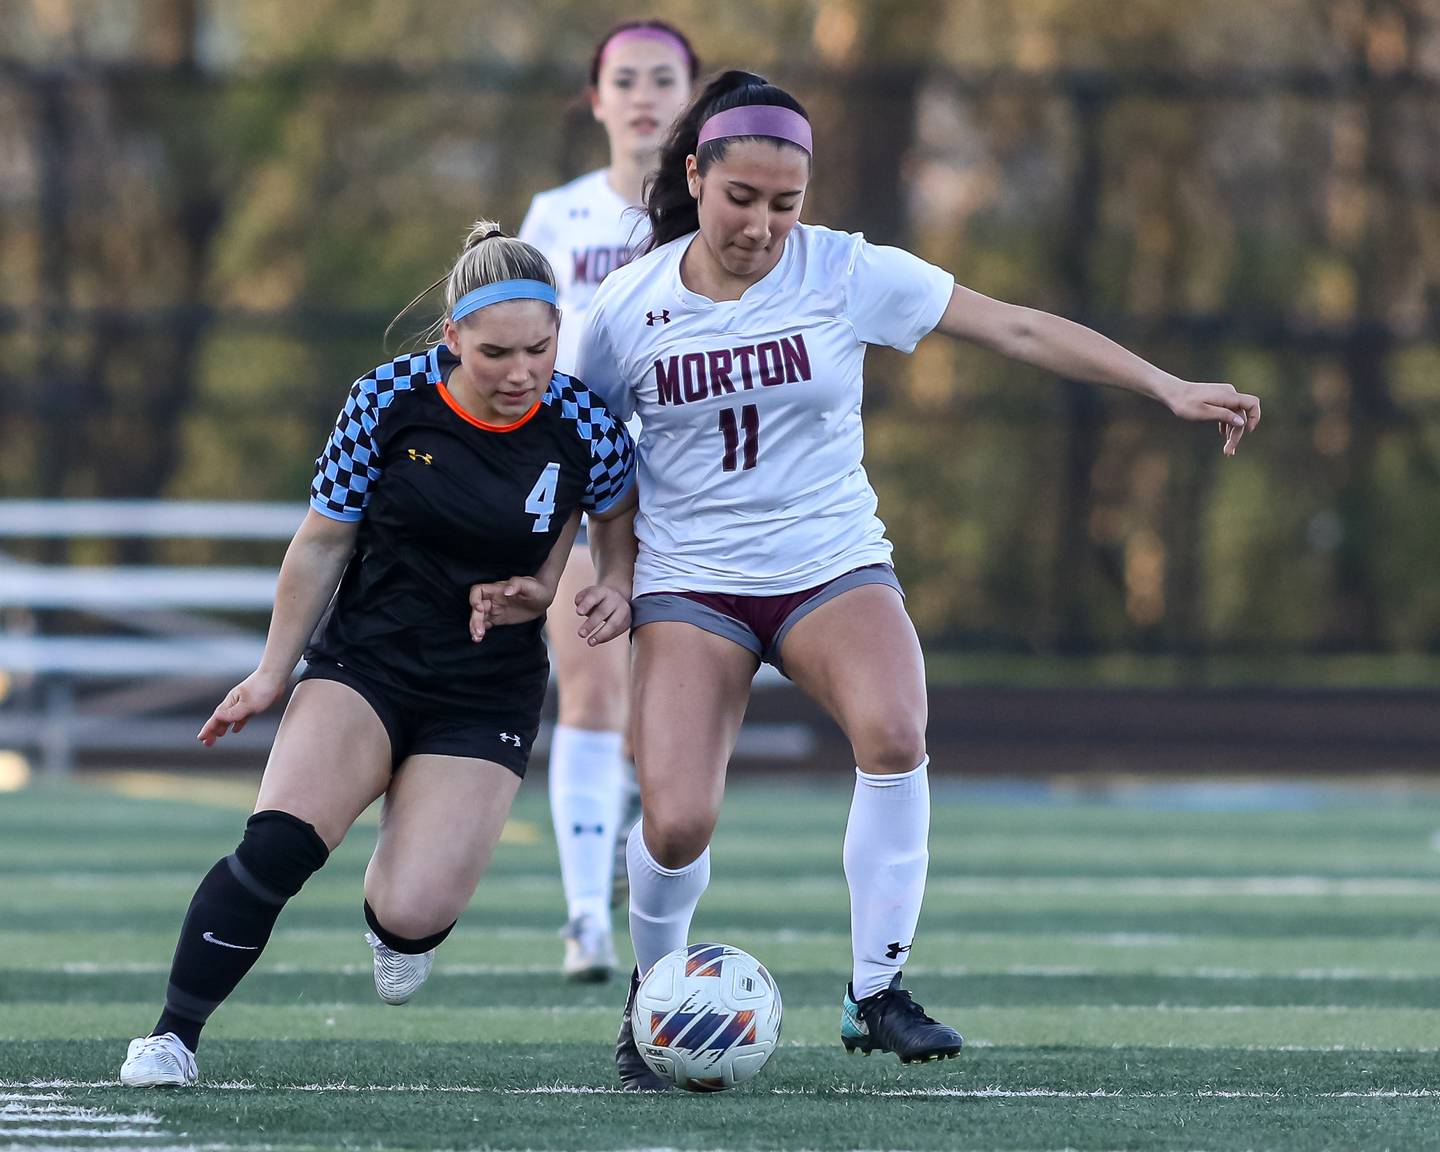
586 231
892 297
536 228
599 366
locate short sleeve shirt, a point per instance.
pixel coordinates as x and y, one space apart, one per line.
586 230
750 465
445 501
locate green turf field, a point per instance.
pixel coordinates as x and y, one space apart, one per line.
1168 971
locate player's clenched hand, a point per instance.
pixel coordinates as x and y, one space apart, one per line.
251 696
1236 412
513 601
606 612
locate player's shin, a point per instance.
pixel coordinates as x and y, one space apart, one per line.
662 900
231 916
886 860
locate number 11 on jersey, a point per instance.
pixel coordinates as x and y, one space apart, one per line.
750 422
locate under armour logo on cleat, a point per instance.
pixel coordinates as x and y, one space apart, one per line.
507 738
581 829
211 938
663 316
893 950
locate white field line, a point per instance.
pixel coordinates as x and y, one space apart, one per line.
16 1113
1164 886
588 1011
86 1133
1171 886
789 936
968 1093
135 1147
94 968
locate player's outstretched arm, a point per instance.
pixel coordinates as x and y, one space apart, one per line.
1079 353
605 605
522 598
309 575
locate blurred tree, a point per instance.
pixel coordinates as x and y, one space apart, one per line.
209 212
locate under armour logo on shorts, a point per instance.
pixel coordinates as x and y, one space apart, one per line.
507 738
892 952
663 317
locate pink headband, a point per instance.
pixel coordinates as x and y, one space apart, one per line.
758 120
629 35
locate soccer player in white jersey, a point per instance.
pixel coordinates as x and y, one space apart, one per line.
739 339
640 77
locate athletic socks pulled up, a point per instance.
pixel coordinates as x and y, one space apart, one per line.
231 917
586 792
662 900
887 856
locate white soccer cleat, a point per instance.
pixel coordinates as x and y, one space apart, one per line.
589 950
158 1062
398 975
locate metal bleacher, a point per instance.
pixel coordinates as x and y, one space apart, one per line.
150 641
122 658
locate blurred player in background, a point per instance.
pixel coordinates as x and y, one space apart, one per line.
467 464
640 78
739 338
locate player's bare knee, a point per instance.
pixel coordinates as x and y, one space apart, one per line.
592 705
419 915
677 842
889 744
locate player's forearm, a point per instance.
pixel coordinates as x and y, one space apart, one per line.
613 548
1078 353
550 572
309 575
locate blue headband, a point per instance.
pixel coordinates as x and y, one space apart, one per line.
499 291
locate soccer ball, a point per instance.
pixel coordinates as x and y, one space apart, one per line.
707 1017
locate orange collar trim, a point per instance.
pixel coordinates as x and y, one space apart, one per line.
454 406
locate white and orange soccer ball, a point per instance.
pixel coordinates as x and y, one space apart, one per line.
707 1017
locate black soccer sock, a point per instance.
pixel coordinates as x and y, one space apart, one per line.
401 944
231 916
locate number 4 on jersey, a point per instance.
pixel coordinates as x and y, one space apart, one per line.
750 421
541 501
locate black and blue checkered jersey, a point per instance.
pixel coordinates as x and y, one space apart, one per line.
445 501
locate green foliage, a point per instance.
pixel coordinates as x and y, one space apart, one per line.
209 221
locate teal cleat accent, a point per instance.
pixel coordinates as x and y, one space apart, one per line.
891 1021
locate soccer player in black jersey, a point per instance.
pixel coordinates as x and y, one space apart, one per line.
465 465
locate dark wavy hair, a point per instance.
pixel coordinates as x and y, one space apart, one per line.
672 210
692 60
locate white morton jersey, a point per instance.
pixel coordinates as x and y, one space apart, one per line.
750 469
586 231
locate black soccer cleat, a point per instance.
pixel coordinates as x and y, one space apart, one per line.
891 1021
635 1074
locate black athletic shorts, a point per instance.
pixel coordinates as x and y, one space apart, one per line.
503 738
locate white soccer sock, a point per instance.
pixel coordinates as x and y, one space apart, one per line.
585 783
662 900
886 858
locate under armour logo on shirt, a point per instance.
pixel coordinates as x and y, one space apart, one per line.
892 952
581 829
507 738
663 317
